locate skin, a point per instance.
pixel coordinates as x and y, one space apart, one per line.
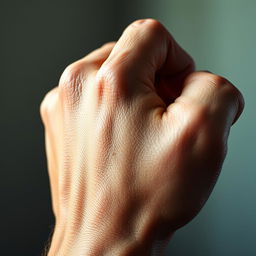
135 141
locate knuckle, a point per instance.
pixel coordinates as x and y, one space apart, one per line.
71 73
152 27
150 22
224 88
215 81
47 104
155 29
217 85
208 80
109 80
227 91
154 24
71 80
108 73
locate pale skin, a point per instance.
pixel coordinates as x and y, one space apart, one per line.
135 141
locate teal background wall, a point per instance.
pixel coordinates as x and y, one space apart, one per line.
38 39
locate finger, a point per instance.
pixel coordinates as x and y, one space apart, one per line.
208 98
144 48
75 75
87 64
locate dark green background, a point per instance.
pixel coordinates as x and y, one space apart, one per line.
38 39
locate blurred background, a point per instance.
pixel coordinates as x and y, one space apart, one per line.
38 39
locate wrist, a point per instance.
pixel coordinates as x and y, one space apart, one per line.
122 237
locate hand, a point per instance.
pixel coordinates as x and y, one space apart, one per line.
135 141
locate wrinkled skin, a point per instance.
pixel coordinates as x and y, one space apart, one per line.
135 141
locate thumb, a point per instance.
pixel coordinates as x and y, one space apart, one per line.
208 98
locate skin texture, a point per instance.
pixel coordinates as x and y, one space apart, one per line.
135 141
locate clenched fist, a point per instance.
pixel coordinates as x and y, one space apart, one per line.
135 141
